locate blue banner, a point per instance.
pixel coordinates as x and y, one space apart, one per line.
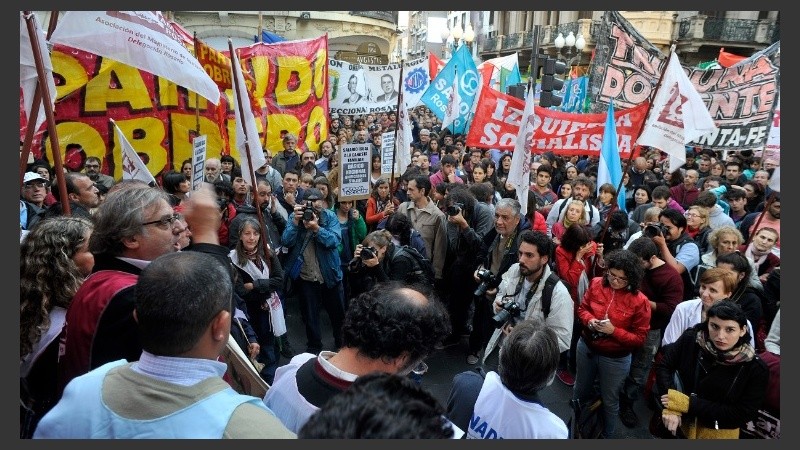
437 94
575 95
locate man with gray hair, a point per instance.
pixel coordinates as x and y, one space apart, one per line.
288 159
213 168
133 226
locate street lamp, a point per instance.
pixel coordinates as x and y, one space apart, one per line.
571 43
457 35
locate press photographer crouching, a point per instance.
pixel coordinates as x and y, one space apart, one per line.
537 292
376 260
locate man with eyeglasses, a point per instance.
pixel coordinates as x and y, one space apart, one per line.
92 167
133 226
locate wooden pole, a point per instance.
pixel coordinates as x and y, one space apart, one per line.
30 19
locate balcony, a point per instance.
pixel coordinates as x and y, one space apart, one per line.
512 41
718 30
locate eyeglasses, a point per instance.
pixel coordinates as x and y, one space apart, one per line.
164 221
612 277
691 215
36 185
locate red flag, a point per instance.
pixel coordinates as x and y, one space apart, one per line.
726 59
436 64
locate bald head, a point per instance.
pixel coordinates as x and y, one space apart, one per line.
640 163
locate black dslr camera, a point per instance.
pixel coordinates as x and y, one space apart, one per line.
488 280
654 229
308 211
368 252
510 312
454 209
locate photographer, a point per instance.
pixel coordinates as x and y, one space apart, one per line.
502 243
676 247
312 239
376 260
464 250
522 293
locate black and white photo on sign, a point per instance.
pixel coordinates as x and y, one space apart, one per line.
357 89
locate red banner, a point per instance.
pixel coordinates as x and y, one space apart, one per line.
157 117
292 89
496 124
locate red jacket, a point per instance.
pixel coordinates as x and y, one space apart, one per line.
569 268
628 312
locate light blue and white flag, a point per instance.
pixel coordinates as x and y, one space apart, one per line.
438 93
609 169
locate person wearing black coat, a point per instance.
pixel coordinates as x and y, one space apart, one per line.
724 381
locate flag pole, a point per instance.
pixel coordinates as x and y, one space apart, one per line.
196 95
238 93
37 100
48 111
400 102
626 166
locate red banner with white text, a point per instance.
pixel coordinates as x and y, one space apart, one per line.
496 124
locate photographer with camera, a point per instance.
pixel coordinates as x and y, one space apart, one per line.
464 250
312 239
502 243
530 290
376 260
676 247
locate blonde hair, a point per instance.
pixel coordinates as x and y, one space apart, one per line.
704 216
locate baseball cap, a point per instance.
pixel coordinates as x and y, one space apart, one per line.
33 176
312 194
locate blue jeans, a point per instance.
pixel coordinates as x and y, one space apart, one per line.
611 373
642 361
312 297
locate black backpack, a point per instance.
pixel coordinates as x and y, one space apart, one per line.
547 292
423 269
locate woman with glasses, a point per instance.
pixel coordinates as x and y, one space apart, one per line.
615 317
698 227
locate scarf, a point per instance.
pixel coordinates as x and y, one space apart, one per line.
737 355
754 255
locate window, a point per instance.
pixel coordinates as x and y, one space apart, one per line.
491 18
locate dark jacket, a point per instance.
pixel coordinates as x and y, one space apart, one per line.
727 396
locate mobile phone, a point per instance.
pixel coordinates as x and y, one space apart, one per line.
604 321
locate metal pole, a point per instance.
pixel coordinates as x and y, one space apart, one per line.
534 58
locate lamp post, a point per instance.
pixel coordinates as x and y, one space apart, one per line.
455 36
571 43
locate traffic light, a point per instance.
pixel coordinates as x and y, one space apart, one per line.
517 90
551 84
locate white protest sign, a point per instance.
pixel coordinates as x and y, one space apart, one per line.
355 175
198 161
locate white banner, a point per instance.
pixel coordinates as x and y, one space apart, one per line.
387 152
142 39
416 78
28 76
361 88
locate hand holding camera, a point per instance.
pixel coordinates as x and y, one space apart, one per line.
487 281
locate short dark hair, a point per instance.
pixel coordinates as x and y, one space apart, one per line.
661 193
544 245
734 194
191 286
529 358
546 169
229 159
644 248
728 310
448 159
423 182
379 406
584 181
674 216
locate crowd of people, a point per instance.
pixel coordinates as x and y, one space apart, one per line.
136 292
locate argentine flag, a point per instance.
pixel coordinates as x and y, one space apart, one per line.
610 168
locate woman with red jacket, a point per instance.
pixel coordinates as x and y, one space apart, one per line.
616 318
380 205
574 259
